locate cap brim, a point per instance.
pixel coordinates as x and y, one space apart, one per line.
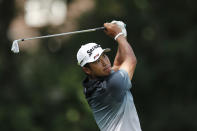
93 60
107 50
104 50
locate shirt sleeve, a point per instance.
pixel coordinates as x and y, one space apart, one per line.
119 83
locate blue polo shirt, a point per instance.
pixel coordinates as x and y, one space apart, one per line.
112 103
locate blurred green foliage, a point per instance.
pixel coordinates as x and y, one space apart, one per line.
42 91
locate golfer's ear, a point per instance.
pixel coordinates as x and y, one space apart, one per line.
86 70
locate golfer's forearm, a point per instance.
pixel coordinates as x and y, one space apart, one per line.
124 53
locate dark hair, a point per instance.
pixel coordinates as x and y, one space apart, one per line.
87 65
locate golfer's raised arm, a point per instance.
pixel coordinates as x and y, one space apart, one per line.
125 57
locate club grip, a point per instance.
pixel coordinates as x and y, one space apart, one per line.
100 28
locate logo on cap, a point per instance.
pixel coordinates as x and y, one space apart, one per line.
96 56
92 49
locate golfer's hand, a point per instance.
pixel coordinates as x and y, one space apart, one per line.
112 29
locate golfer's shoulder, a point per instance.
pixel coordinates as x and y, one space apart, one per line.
118 74
117 77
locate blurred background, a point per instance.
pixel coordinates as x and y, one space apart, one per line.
40 88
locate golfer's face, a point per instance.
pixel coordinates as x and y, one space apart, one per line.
101 67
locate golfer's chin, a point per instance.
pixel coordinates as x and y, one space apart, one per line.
107 71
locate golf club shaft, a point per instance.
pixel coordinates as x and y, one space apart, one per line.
61 34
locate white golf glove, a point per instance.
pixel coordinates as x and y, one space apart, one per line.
122 27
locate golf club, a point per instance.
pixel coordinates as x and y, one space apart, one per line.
15 47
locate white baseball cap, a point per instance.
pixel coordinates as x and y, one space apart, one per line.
89 53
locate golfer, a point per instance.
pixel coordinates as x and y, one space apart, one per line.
106 87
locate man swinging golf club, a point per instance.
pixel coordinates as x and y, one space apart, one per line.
107 89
